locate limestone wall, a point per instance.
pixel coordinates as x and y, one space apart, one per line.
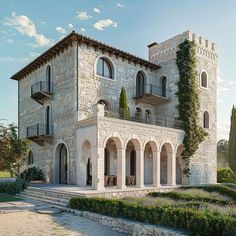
63 106
203 165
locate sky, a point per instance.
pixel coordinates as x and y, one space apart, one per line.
30 27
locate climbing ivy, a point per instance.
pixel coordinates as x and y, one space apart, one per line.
188 96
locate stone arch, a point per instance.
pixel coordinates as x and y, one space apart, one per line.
166 163
107 105
149 148
61 164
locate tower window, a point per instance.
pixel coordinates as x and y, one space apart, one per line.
104 68
206 120
204 79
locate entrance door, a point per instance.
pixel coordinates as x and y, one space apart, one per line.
63 168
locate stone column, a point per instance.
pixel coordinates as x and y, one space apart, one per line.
140 168
121 168
156 169
98 168
171 169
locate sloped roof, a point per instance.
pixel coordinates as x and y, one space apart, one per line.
66 42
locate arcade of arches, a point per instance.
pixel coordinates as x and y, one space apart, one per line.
129 164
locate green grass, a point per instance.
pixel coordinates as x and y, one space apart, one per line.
4 174
8 198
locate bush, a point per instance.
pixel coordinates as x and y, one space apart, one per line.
224 174
188 197
198 223
32 173
13 187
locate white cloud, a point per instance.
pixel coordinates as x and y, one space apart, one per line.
60 30
43 22
102 24
82 29
71 26
83 15
120 5
96 10
25 26
10 41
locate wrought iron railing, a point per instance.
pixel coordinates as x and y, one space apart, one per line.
41 86
39 130
139 91
147 118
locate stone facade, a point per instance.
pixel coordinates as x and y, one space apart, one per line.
147 145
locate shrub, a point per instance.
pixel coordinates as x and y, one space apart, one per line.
224 174
32 173
196 222
13 187
188 197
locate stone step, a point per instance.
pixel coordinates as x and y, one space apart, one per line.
39 195
47 201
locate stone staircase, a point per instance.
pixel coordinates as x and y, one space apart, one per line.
51 197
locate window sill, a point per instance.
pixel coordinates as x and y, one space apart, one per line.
102 77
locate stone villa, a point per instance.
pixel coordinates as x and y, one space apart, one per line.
69 109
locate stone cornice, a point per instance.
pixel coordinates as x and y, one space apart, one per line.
67 42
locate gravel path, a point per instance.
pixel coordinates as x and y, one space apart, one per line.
20 219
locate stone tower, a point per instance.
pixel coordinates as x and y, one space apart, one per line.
203 165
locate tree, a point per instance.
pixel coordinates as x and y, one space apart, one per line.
222 153
232 141
13 150
124 111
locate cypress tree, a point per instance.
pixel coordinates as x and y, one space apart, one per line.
123 105
232 141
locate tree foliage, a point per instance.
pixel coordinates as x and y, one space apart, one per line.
13 150
232 141
188 96
124 111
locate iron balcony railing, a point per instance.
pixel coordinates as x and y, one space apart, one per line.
139 91
147 118
39 130
41 86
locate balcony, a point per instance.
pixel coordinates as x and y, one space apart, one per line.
41 91
150 94
40 133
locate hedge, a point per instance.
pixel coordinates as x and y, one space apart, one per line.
196 222
225 174
188 197
13 187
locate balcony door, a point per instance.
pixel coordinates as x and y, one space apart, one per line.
140 83
163 86
48 120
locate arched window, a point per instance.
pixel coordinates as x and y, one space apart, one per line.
30 158
206 120
105 103
49 78
148 116
140 84
138 113
204 79
104 68
48 120
163 86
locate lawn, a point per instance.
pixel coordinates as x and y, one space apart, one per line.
8 198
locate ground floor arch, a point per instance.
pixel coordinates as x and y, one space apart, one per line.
61 164
148 164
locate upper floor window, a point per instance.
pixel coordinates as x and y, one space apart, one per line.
163 86
204 79
140 84
48 120
206 120
104 68
49 78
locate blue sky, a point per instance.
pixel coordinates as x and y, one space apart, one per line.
27 28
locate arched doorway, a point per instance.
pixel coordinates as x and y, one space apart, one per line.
63 166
